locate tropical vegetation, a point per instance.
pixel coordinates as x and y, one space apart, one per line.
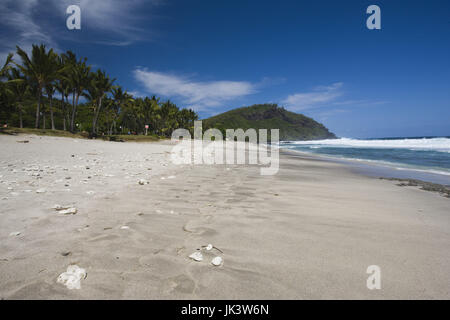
46 90
292 126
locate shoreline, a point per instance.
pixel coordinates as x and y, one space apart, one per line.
379 170
442 189
309 232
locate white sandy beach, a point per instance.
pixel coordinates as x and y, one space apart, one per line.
309 232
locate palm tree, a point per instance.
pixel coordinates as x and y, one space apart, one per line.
100 85
120 98
186 118
55 73
19 90
152 113
50 90
6 65
67 62
169 113
62 85
79 78
3 74
40 70
132 115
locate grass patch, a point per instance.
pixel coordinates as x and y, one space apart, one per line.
82 135
41 132
133 138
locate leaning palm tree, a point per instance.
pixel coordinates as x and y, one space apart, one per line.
3 74
100 85
40 70
6 65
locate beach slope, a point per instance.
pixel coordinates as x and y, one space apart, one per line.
309 232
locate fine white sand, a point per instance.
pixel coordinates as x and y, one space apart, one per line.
309 232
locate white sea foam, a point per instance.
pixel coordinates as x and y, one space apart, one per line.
431 144
386 163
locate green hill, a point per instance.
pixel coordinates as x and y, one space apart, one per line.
293 126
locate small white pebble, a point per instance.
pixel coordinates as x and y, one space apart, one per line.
72 277
197 256
68 211
217 261
142 182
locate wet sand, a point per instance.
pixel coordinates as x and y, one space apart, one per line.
309 232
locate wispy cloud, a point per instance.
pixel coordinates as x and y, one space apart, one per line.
118 21
359 103
108 22
328 101
20 28
197 94
318 97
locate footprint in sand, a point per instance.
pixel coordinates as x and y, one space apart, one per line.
181 284
103 237
188 227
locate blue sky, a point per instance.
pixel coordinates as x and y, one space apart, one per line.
313 57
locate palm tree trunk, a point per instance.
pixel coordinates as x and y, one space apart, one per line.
94 121
97 112
66 114
51 112
37 110
74 111
20 117
63 110
72 118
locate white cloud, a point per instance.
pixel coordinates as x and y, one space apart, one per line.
117 19
316 98
111 22
199 95
22 29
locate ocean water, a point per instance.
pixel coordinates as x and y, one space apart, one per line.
430 155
